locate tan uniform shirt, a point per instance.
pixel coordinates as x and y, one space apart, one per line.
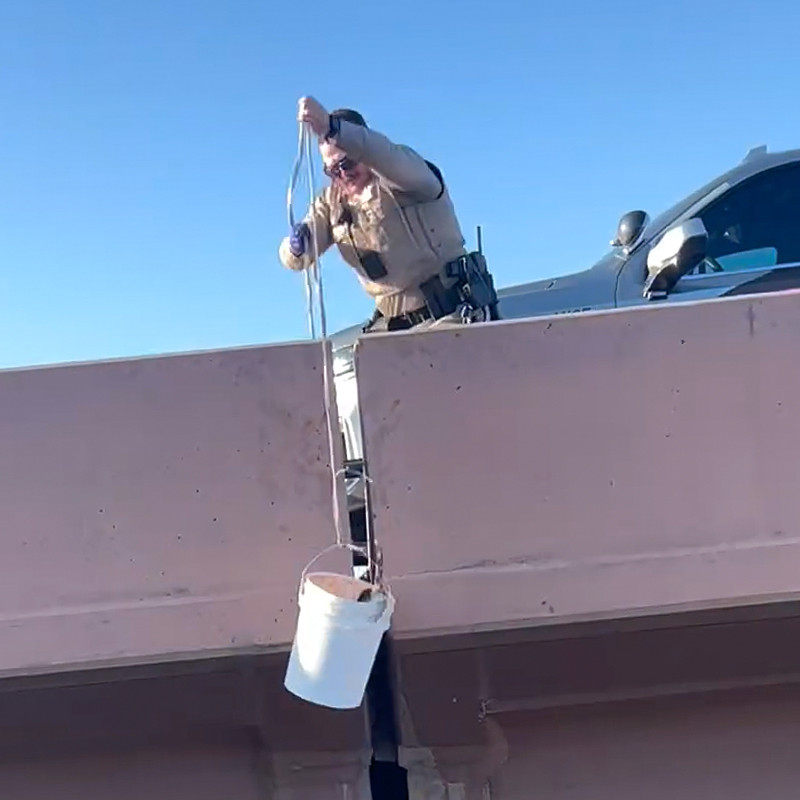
404 215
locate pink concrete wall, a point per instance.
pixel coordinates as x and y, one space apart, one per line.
718 747
706 707
198 773
736 746
224 728
159 507
592 466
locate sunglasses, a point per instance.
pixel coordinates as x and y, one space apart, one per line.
342 166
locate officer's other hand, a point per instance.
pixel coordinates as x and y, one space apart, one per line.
298 239
310 111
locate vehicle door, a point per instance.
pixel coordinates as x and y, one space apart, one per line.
753 239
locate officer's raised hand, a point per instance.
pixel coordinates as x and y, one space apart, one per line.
311 112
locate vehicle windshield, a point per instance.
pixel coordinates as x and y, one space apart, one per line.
685 207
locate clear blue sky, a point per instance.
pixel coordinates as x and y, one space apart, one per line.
146 145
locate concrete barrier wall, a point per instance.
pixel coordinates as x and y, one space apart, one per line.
197 773
224 728
629 462
159 507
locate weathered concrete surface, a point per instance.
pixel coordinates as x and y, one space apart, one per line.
694 705
597 466
185 731
702 705
733 746
159 508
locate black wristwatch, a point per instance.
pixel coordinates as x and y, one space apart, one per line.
334 126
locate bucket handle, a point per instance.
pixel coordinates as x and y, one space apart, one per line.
355 548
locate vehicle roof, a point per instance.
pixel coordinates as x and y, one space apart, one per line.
757 160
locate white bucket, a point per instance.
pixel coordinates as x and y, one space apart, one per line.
336 640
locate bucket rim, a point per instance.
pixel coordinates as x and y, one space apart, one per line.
380 588
384 601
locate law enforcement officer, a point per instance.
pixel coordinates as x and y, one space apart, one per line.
389 213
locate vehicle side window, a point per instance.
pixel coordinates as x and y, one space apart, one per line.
756 224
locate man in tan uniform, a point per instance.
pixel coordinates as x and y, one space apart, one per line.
390 215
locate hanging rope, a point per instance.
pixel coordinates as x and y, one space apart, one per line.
298 162
314 292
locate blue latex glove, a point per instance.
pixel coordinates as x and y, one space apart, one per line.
298 241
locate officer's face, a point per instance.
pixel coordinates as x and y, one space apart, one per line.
351 176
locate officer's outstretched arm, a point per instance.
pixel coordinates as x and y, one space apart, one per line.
398 165
320 214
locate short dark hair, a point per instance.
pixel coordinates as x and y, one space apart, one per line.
349 115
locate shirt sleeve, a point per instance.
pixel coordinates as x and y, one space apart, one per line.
400 166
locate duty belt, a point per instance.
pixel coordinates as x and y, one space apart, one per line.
438 304
473 288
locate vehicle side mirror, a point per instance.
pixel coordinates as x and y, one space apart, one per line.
677 253
630 228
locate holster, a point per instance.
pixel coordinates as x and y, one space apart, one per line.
474 281
473 288
440 301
